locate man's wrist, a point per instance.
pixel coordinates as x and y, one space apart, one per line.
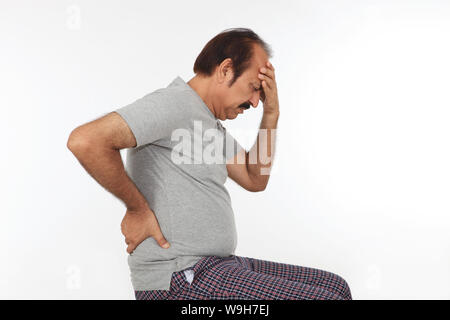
137 205
271 114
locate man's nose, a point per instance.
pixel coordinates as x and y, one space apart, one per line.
255 100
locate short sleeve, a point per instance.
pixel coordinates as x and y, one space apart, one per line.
152 117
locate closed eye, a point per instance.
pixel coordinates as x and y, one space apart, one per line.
254 88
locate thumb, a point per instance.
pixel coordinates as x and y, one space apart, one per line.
131 247
162 241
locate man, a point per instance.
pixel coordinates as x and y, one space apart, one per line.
179 224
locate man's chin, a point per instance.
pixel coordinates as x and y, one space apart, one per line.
234 116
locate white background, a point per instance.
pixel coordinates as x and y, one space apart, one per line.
360 185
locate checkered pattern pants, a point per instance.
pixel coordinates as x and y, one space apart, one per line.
244 278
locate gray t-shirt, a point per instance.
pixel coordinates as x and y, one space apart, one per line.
187 194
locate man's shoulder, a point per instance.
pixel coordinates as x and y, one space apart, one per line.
169 97
171 94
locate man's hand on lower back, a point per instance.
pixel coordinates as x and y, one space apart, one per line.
140 224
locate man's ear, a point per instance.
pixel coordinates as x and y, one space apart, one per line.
225 71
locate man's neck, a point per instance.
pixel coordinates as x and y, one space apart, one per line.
202 86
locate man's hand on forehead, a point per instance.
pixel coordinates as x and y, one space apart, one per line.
269 95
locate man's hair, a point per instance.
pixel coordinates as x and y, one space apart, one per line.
236 44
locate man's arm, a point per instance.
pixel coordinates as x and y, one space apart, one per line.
251 169
253 174
97 145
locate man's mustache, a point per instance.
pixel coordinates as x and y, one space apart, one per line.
244 105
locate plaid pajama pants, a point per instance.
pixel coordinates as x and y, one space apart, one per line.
244 278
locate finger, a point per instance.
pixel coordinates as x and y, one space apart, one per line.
162 241
262 95
265 86
131 248
266 79
268 72
271 67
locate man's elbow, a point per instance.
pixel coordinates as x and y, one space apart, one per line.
256 183
257 187
77 142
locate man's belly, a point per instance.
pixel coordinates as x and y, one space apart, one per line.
212 234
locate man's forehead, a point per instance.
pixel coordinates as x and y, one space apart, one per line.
260 57
259 60
258 63
254 73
